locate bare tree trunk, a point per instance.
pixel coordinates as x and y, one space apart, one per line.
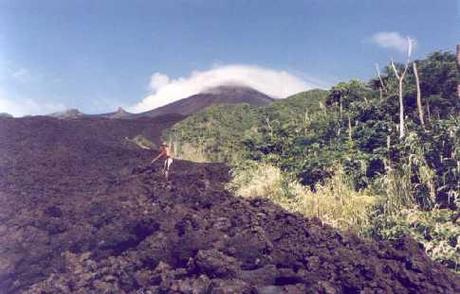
340 116
400 78
401 109
428 111
340 107
267 120
401 100
382 84
349 129
458 64
419 95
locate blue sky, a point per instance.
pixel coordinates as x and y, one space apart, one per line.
96 55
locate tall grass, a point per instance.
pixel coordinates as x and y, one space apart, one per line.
142 142
437 229
188 151
408 185
388 212
335 202
395 190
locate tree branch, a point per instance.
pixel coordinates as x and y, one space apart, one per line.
395 70
382 84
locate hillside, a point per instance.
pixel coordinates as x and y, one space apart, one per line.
218 132
307 102
343 156
73 113
217 95
82 212
5 114
213 96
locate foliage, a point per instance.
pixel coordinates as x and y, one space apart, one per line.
335 202
438 230
142 142
220 131
188 151
215 133
324 153
354 125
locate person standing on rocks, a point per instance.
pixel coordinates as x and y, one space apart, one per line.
165 153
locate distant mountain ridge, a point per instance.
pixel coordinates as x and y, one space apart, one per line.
5 114
68 114
216 95
227 94
120 113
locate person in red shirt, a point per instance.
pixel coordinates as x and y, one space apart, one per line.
165 153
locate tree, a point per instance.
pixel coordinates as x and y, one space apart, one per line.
382 87
458 65
400 77
419 95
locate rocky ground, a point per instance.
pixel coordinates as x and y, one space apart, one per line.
81 211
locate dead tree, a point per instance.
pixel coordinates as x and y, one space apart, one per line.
400 77
419 95
382 87
428 112
458 64
350 137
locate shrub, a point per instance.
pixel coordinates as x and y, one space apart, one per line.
438 230
336 202
188 151
142 142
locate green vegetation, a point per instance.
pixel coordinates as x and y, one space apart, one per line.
334 202
339 154
436 229
142 142
220 132
214 134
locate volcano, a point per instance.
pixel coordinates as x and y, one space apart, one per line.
226 94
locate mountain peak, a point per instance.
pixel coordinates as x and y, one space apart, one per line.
230 89
223 94
120 113
5 114
69 113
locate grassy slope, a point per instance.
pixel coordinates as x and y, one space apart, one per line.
215 134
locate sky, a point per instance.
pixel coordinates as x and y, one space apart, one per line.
96 55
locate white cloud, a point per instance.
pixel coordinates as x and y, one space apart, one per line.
392 40
158 80
278 84
28 107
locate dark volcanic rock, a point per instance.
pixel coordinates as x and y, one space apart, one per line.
80 211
